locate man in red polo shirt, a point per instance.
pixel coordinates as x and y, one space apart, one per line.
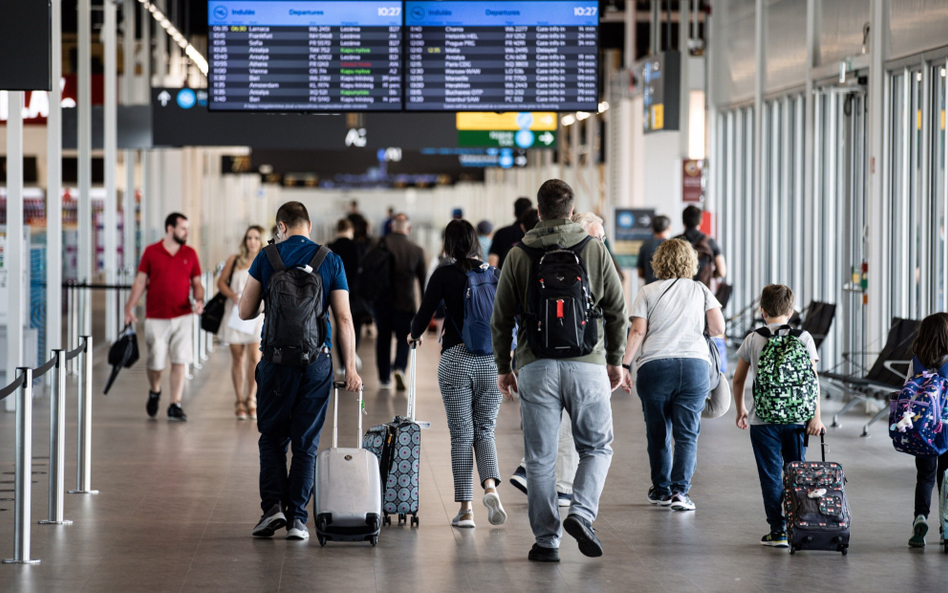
170 269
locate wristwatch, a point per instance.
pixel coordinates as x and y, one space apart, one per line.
627 367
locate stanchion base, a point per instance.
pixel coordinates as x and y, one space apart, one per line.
50 522
82 491
15 561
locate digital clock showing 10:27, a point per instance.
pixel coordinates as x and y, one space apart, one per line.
369 55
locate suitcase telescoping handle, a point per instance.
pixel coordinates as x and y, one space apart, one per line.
806 442
410 414
337 385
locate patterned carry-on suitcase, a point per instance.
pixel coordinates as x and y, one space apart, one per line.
347 502
397 444
943 511
815 505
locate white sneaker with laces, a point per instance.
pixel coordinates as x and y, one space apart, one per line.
464 519
298 531
681 502
496 514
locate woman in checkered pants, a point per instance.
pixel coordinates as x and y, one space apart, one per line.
468 380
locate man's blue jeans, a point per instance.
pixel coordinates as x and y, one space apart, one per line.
673 392
775 445
291 409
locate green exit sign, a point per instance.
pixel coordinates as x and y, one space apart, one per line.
507 138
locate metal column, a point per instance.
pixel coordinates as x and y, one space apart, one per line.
24 467
57 442
84 452
110 218
54 202
15 256
84 105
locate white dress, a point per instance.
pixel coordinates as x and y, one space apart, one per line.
228 334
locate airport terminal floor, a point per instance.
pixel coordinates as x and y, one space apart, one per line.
178 501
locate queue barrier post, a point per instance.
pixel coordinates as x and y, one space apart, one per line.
57 442
84 464
24 469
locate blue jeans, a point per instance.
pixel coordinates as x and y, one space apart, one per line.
291 409
547 388
673 392
775 445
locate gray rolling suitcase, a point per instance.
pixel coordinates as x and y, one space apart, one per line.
347 495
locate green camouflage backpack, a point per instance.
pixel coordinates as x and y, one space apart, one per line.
786 386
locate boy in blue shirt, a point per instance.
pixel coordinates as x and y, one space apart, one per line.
292 400
775 445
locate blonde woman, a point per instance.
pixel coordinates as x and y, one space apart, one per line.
243 336
668 324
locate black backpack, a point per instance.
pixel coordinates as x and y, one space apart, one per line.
295 327
560 315
375 273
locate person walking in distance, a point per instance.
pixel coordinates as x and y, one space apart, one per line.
349 251
508 236
171 272
243 338
660 234
564 285
299 281
394 312
467 372
711 262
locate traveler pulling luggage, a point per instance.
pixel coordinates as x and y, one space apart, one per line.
347 499
397 445
818 514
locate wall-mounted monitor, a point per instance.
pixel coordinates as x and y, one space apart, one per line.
305 55
532 55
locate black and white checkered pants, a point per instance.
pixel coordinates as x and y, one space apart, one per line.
471 401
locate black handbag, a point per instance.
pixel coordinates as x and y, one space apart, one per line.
214 310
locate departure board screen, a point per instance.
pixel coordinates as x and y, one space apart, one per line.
502 56
342 55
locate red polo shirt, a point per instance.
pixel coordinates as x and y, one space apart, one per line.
169 280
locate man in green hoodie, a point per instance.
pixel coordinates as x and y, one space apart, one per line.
580 385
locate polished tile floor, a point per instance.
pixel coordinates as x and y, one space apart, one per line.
178 502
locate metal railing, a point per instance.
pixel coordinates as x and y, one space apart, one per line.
22 386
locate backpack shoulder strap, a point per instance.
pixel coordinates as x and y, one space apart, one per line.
273 255
578 248
533 252
319 257
764 331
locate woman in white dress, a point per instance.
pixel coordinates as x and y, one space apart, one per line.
243 336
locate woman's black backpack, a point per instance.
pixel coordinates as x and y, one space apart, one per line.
560 316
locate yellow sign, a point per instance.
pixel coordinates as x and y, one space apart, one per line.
658 117
537 121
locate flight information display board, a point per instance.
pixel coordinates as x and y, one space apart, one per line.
502 56
342 55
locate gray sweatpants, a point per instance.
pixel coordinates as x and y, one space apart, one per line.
547 387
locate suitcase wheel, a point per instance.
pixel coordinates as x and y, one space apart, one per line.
414 520
946 547
387 520
402 518
844 551
322 540
793 550
374 540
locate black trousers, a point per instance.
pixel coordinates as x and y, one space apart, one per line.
391 321
931 472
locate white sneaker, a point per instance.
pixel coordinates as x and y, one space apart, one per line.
298 531
385 385
681 502
464 519
400 383
496 514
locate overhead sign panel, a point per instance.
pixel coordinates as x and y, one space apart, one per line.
305 55
661 76
494 56
511 120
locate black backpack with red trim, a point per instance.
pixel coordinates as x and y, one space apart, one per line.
560 315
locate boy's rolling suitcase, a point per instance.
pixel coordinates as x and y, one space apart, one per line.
347 502
815 505
943 511
397 444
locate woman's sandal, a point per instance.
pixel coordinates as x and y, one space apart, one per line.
252 409
241 411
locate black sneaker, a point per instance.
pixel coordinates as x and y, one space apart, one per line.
400 384
540 554
270 521
655 497
585 535
176 413
152 406
519 479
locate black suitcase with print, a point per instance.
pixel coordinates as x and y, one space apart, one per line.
815 505
397 444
